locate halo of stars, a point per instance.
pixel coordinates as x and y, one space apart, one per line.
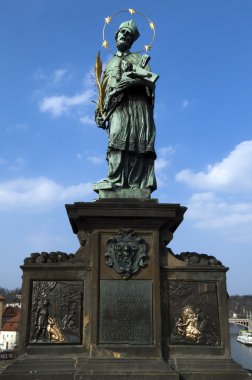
108 20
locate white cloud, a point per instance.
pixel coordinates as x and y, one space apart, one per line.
21 192
51 78
233 174
164 157
166 150
77 105
96 160
185 103
62 104
89 79
87 120
161 163
228 217
22 126
224 202
59 74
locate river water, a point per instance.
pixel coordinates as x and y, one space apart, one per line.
240 352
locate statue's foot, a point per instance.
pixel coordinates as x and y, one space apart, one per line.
103 184
103 180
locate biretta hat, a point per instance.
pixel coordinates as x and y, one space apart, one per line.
132 27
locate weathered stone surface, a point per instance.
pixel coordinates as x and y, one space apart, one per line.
126 213
48 257
194 258
210 368
129 327
69 368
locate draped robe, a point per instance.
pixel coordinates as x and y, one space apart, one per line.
131 126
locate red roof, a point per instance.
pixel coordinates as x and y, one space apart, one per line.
10 311
12 324
10 327
11 318
2 297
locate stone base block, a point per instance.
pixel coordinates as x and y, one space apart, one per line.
210 369
126 369
40 368
66 368
69 369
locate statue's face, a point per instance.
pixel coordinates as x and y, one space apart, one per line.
124 39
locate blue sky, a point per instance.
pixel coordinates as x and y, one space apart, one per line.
51 151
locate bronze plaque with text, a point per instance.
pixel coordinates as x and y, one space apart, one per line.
126 312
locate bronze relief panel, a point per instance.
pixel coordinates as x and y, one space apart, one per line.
194 315
56 312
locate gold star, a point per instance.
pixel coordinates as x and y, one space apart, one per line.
105 44
108 19
147 47
152 25
132 11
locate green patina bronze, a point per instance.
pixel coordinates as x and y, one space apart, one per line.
128 87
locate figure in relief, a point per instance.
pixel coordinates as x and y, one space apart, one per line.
194 326
54 332
191 329
41 320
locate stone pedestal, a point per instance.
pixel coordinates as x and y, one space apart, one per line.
124 306
125 336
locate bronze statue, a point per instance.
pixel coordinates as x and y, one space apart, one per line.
125 109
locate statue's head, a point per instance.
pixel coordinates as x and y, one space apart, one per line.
127 34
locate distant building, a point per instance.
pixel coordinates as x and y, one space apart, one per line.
1 309
16 304
9 326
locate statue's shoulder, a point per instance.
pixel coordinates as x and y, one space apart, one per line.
134 58
113 62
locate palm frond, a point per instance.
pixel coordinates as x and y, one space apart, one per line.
98 74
